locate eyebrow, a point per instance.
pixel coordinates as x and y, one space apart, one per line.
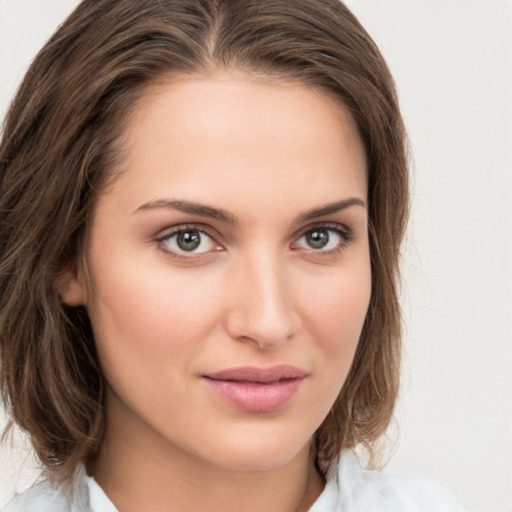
190 207
331 208
228 218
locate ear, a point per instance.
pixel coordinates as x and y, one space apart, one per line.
70 286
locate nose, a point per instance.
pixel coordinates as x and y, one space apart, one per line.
263 303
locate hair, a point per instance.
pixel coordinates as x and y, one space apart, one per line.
61 143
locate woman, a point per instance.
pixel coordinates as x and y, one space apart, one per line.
202 208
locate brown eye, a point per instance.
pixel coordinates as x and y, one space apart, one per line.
188 240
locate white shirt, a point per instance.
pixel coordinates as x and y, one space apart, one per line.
349 488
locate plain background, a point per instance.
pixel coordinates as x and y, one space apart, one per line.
452 61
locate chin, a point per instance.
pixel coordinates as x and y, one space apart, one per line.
245 455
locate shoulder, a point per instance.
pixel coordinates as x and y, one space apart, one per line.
379 491
43 497
49 497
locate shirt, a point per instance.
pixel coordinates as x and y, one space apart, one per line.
349 488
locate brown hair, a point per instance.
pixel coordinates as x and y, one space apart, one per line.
61 143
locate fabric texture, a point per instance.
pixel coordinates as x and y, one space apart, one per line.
349 488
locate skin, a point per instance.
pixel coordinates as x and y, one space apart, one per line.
254 293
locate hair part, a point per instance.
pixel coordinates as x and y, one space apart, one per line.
62 142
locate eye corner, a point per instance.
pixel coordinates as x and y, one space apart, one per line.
331 239
186 248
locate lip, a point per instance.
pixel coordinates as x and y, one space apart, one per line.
257 389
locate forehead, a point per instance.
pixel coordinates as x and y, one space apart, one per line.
209 137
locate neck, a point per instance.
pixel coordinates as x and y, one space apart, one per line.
140 470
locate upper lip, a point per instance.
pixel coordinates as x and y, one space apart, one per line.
258 375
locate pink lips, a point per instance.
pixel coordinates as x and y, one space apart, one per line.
257 389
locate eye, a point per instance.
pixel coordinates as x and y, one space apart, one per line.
323 238
191 240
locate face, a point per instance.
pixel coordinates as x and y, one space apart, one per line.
230 268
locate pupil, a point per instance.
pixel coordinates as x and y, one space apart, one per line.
317 238
188 240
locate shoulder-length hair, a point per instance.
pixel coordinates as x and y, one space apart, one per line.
60 145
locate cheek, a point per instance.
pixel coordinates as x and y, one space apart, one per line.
148 301
335 317
337 310
148 321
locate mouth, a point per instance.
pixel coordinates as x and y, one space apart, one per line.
257 389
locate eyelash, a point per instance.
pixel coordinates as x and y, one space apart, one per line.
167 235
345 234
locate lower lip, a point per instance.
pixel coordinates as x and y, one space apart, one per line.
257 397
